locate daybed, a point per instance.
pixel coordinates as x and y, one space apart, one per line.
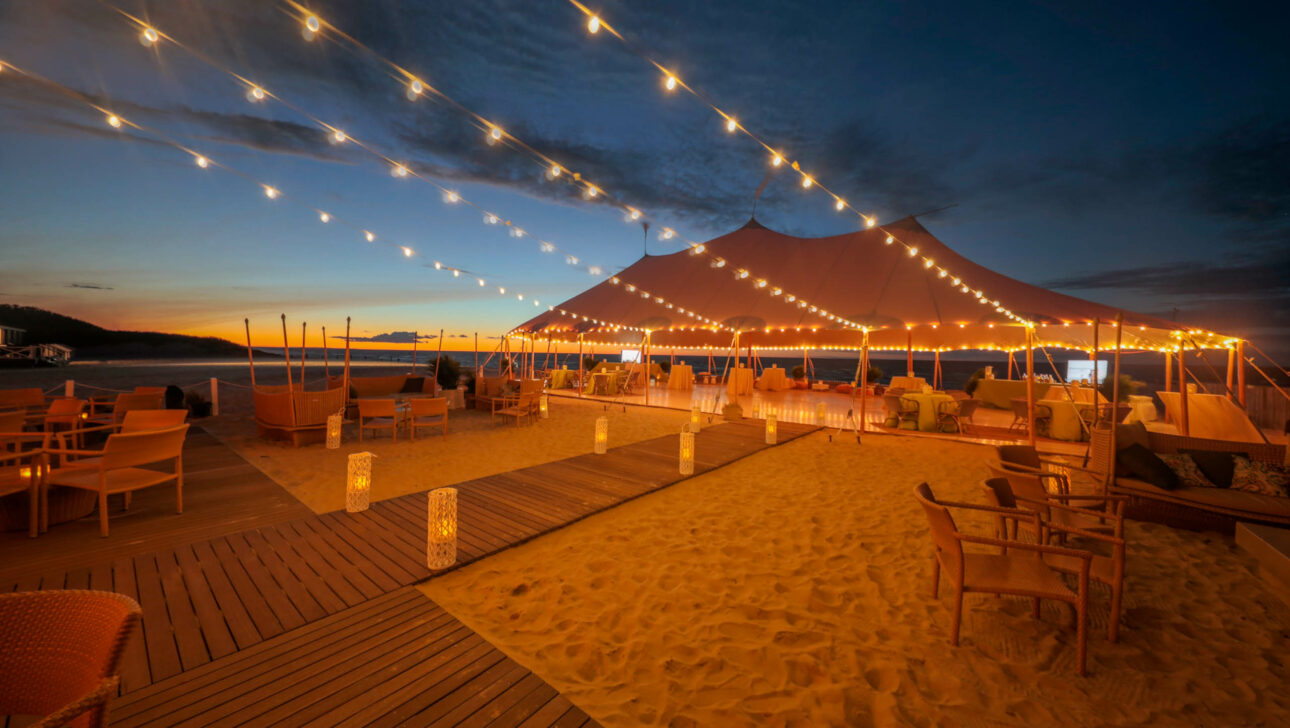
293 414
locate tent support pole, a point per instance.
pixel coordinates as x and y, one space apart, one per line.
1030 384
1092 354
1240 373
1169 373
1115 396
1010 365
414 352
864 385
326 367
645 378
909 351
1183 427
476 354
302 356
346 362
250 358
936 371
1231 374
581 384
438 359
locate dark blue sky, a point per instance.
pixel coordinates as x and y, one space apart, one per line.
1136 154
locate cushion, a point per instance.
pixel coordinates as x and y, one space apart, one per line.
1216 465
1128 435
1145 465
1188 472
844 389
412 385
1253 476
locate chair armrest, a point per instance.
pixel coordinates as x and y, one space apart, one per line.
1087 534
100 695
1087 556
1113 498
989 509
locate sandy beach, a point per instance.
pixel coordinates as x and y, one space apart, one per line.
793 588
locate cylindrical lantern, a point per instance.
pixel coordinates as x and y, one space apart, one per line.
772 430
687 453
543 407
358 484
441 528
820 411
696 419
602 435
334 422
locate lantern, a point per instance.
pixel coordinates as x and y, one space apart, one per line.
543 407
687 452
333 430
441 528
696 419
820 411
756 409
602 435
772 430
358 484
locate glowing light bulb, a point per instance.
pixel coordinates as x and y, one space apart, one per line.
807 182
593 25
113 121
929 263
635 214
555 171
451 197
338 136
870 221
456 273
415 89
501 290
324 217
495 134
670 83
312 23
202 162
438 265
942 273
776 160
255 94
519 296
148 37
592 192
270 193
731 124
669 233
913 252
481 281
399 170
371 238
890 240
407 252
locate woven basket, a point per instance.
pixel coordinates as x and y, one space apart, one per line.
65 504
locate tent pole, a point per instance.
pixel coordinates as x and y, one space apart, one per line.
286 352
326 367
909 352
1240 372
476 353
1010 365
1092 354
347 362
647 368
864 384
581 384
438 359
414 352
302 356
936 371
1183 427
250 358
1115 395
1231 374
1169 372
1030 384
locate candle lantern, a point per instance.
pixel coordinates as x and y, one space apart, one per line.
687 452
358 484
820 411
772 430
441 528
602 435
544 407
334 422
696 419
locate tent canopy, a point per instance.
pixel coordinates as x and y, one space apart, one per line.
898 282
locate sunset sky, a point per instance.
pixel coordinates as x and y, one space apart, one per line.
1134 154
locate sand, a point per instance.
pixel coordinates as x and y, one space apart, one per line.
793 588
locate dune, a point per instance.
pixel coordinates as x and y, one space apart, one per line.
792 588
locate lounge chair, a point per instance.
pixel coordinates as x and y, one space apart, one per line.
60 653
115 468
378 414
958 413
427 412
1015 571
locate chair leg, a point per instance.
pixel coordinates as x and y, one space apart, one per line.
958 617
1113 625
103 514
360 429
179 485
127 495
33 508
936 578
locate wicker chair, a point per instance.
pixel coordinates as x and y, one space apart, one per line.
1020 415
115 468
958 413
891 402
378 414
1032 494
1015 571
909 411
64 414
427 412
519 407
60 654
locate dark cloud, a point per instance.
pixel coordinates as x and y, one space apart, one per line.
1254 275
391 337
91 286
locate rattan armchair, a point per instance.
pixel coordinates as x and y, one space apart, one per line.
1029 488
378 414
1020 569
1021 415
427 412
958 413
60 654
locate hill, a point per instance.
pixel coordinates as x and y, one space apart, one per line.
95 342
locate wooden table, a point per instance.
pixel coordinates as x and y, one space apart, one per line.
909 384
928 405
681 377
740 382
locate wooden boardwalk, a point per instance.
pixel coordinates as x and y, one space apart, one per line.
247 592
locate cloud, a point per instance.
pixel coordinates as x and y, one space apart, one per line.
91 286
1252 275
391 337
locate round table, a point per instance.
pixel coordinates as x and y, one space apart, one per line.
928 405
1141 409
562 378
681 377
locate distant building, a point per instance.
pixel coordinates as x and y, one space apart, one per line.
11 336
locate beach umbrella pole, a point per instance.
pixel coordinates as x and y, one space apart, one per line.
302 356
286 353
346 377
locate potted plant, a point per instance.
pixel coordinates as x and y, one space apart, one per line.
198 406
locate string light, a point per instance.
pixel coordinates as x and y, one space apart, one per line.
338 136
255 94
202 162
807 182
494 135
312 23
776 160
407 252
324 217
670 83
371 237
731 124
415 89
451 197
555 171
593 25
270 192
148 37
399 170
840 204
114 121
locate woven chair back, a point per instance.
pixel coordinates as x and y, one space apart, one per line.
376 408
131 449
161 419
948 549
429 406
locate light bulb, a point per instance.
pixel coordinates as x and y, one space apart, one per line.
371 238
491 219
731 124
870 221
593 25
670 83
338 136
113 121
407 252
841 203
929 263
415 87
312 23
776 160
438 265
455 273
669 233
519 296
202 162
255 94
555 171
451 197
592 192
481 281
913 252
890 240
270 193
807 182
324 217
148 37
501 290
495 134
399 171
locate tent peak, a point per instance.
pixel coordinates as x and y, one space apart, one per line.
753 224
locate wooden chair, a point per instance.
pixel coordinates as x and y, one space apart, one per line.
150 390
519 407
21 472
427 412
115 468
957 413
64 413
1032 493
378 414
160 419
127 401
11 423
60 653
1020 569
909 411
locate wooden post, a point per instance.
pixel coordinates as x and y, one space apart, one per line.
1169 372
1240 373
346 377
476 353
647 367
1030 384
250 359
581 384
864 384
286 353
69 388
1011 364
936 371
1183 427
214 396
1097 325
438 359
1231 374
326 366
909 352
302 356
1115 395
414 352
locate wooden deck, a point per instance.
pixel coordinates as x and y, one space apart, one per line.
245 595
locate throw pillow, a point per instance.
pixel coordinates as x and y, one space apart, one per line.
1253 476
412 385
1216 465
1143 464
1188 472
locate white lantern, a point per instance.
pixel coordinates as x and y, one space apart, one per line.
334 422
820 414
441 528
687 453
602 435
358 484
543 407
696 419
772 430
